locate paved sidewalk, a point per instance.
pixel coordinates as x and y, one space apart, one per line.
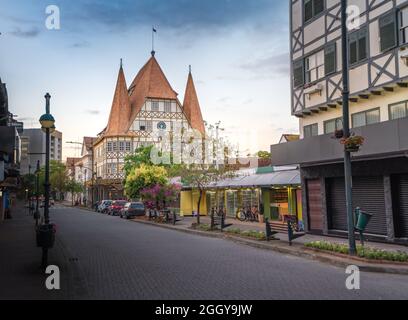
20 274
187 222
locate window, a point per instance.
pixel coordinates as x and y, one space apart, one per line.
110 148
128 146
358 46
403 25
146 125
333 125
155 106
313 8
398 110
330 59
115 146
314 65
167 106
366 118
311 131
298 78
121 146
388 36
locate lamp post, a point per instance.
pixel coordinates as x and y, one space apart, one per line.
37 193
48 126
346 130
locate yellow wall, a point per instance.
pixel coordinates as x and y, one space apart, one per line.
189 202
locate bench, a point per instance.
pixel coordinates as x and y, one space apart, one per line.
218 221
171 217
290 228
165 216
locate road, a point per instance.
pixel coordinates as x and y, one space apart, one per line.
110 258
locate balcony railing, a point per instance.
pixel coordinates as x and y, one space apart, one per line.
381 139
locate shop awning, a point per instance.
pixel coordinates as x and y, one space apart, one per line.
275 179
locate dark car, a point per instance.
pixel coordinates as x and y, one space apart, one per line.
116 207
133 209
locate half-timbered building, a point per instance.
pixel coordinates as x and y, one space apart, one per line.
139 116
378 67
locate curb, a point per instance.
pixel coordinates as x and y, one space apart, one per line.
297 251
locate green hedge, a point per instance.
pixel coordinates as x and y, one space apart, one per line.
362 252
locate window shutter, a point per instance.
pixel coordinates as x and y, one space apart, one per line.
353 48
298 74
308 10
388 27
330 59
362 44
318 6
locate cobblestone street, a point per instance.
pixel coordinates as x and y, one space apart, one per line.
110 258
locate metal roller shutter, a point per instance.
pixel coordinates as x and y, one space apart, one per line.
368 194
402 207
314 199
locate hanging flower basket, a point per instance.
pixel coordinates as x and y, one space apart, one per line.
353 143
339 134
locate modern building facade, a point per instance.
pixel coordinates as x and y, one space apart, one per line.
10 154
34 148
378 60
140 114
85 171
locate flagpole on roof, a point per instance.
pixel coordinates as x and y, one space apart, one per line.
153 32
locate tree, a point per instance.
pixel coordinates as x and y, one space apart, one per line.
201 176
143 177
142 156
74 188
58 178
264 155
158 195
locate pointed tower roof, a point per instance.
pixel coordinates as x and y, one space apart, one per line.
120 111
192 106
150 82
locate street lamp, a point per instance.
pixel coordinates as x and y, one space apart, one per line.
46 231
346 131
37 193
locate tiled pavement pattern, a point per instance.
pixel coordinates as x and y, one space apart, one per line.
20 274
118 259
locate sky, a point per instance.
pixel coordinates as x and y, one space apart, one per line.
238 49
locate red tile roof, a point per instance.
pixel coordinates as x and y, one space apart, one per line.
192 106
120 113
150 82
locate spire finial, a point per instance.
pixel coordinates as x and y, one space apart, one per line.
121 62
154 30
189 68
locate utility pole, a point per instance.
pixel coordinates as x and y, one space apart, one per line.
346 130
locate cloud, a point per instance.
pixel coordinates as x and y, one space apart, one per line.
176 15
93 112
30 33
80 44
272 66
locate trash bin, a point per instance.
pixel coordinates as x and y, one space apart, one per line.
363 220
46 236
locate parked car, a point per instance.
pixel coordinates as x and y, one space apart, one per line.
116 207
133 209
104 206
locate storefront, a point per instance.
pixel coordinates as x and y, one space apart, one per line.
275 194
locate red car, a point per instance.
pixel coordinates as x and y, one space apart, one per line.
116 206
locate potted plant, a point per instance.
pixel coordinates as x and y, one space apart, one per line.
353 143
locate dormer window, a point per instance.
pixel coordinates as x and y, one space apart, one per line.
155 106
